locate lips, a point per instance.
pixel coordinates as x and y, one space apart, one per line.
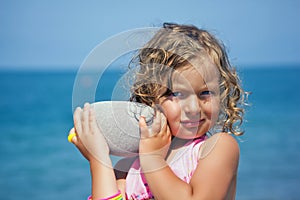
192 123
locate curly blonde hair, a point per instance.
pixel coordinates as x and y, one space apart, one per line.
172 47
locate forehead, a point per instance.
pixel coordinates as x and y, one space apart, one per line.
201 70
186 76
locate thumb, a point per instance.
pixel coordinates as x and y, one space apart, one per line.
164 123
74 138
143 128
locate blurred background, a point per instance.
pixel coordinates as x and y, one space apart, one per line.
44 43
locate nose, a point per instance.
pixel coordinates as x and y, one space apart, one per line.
192 105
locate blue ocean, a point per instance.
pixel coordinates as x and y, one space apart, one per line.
38 163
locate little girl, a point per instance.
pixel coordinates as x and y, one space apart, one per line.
188 153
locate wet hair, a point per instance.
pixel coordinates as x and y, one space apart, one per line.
174 46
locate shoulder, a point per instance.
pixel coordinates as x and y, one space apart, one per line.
220 145
217 166
225 140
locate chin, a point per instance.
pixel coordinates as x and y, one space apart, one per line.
189 134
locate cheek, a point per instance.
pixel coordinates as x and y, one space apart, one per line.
171 109
212 109
172 112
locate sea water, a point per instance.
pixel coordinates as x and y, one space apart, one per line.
37 162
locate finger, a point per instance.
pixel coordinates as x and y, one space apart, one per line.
92 119
164 131
156 125
77 142
72 130
143 128
85 118
74 140
72 137
71 134
163 120
77 120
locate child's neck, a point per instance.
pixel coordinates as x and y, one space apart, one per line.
178 142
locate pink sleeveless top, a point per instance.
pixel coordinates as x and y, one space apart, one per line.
183 165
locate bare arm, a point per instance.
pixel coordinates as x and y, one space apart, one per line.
103 180
213 179
88 137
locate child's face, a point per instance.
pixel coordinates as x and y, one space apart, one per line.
193 106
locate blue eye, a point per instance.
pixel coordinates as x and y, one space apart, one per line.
206 93
176 94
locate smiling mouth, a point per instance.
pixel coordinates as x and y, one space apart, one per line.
192 123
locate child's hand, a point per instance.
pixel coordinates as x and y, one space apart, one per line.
76 141
155 140
89 140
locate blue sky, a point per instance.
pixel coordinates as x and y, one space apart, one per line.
57 33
